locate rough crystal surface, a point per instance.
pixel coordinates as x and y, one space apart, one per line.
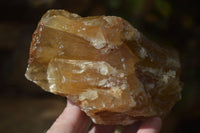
105 66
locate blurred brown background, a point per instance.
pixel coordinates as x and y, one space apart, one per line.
24 107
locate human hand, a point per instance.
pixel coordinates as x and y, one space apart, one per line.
73 120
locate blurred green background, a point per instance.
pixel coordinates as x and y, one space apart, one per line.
24 107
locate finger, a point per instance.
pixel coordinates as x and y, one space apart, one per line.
152 125
102 128
72 120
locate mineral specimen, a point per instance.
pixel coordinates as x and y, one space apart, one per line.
105 66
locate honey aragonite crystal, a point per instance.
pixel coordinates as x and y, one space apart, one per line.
105 66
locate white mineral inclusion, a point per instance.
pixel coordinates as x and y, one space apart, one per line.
116 92
103 69
143 53
63 79
169 74
61 53
52 87
102 82
121 75
89 95
124 66
123 86
84 28
164 76
61 46
122 59
97 43
123 63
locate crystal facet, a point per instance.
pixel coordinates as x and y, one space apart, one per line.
105 66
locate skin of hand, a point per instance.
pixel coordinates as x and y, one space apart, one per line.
73 120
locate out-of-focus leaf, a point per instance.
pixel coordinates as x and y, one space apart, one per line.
115 4
137 6
163 7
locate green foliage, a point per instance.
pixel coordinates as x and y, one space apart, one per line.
163 7
115 4
137 6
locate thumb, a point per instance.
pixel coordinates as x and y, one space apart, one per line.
72 120
152 125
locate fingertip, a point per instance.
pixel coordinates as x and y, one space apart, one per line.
71 120
152 125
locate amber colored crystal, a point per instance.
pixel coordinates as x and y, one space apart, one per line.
105 66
